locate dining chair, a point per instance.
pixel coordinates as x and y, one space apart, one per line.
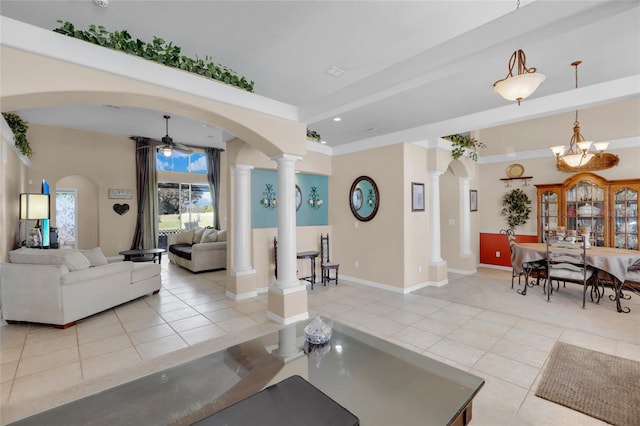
567 262
511 239
325 263
537 269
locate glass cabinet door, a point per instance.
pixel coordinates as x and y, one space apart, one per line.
549 209
625 218
585 210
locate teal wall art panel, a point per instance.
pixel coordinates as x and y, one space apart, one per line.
261 216
306 215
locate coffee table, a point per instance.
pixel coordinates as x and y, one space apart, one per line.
379 382
143 255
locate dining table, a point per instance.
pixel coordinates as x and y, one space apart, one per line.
613 261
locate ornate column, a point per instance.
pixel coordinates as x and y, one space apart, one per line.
242 282
287 296
465 231
434 217
437 265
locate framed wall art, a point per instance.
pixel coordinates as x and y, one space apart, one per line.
473 200
417 197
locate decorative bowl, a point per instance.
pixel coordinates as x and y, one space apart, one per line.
317 332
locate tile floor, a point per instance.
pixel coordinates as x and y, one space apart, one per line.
476 323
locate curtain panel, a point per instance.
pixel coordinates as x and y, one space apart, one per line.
213 176
146 232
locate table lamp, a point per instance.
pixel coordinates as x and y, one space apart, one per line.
33 207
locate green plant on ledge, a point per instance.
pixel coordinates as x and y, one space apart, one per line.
313 135
158 51
462 144
516 207
19 129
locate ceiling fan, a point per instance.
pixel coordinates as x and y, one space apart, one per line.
169 145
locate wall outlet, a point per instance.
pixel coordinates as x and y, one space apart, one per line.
355 224
419 268
497 254
452 221
355 263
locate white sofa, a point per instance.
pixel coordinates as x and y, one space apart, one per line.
62 286
198 249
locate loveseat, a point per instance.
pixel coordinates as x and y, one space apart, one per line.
199 249
61 286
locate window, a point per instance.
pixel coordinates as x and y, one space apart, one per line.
183 206
181 162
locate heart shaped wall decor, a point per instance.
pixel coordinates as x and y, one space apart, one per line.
121 208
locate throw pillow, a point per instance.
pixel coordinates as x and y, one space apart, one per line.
186 237
222 235
209 236
76 261
72 259
95 256
198 235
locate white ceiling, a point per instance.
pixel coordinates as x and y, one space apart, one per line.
408 63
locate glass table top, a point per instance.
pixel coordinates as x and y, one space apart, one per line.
379 382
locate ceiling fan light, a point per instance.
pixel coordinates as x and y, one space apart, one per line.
166 151
518 87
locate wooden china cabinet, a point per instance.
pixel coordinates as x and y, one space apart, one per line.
608 207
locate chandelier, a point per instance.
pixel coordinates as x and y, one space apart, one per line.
517 87
579 156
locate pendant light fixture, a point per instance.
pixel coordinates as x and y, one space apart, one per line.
523 84
579 156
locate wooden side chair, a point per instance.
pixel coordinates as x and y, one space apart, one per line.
325 263
275 254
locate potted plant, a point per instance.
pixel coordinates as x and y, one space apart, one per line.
462 144
19 128
516 206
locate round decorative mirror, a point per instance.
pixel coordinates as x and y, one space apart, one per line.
364 198
298 198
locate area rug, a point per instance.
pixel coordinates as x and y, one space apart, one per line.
599 385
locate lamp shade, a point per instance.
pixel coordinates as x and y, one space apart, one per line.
577 160
518 87
34 206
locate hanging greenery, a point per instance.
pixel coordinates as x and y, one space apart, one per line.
462 144
158 51
516 206
19 128
313 135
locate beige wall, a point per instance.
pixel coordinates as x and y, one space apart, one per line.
377 245
70 158
13 170
416 224
607 122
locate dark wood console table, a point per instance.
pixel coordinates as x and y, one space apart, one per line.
143 255
311 255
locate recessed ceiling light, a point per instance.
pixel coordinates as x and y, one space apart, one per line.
335 72
337 119
323 141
